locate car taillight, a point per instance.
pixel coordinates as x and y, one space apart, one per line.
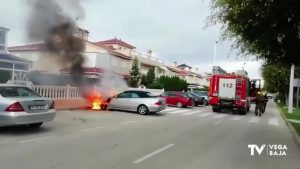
15 107
52 105
158 103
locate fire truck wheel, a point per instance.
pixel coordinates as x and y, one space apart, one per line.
143 110
242 111
216 109
179 104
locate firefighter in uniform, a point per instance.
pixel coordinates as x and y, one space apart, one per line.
265 98
260 104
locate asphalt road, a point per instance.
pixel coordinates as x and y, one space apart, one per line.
174 139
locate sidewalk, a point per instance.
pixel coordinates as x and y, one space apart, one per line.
292 120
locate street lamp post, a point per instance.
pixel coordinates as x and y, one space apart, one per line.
215 53
291 91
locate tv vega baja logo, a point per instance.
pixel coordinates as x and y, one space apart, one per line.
269 149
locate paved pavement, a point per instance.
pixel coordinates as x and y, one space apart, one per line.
175 138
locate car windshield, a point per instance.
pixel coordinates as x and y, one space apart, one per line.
17 92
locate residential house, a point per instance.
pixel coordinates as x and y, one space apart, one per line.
11 67
190 74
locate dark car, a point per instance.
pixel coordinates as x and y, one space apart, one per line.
202 94
179 99
198 100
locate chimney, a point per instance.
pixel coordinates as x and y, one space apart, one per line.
82 33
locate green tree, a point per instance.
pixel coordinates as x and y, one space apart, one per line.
150 76
135 74
267 29
144 80
173 83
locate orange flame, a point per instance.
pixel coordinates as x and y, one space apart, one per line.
95 99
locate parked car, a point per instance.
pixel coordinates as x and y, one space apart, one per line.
179 99
204 95
23 106
198 100
142 102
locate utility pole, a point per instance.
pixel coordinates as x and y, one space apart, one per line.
215 52
291 91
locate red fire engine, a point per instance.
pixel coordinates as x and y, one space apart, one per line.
230 91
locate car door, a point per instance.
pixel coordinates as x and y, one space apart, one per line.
120 101
133 101
173 99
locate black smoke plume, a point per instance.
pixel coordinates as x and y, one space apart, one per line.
48 22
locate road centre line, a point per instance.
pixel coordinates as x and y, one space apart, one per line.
153 153
236 118
90 129
192 112
219 116
36 139
128 122
273 122
254 120
217 122
205 114
179 111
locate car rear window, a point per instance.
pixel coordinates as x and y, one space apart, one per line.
184 95
17 92
146 95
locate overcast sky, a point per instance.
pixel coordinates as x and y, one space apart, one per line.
173 30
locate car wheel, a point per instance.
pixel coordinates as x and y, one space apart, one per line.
179 104
143 110
35 125
205 102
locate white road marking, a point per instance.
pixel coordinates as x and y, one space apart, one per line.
153 153
179 111
205 114
90 129
128 122
192 112
36 139
217 122
273 122
236 118
254 120
219 116
169 110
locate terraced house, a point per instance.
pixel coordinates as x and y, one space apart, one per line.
113 55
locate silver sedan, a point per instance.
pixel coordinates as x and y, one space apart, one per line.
142 102
21 105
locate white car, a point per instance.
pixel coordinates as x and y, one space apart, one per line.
142 102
